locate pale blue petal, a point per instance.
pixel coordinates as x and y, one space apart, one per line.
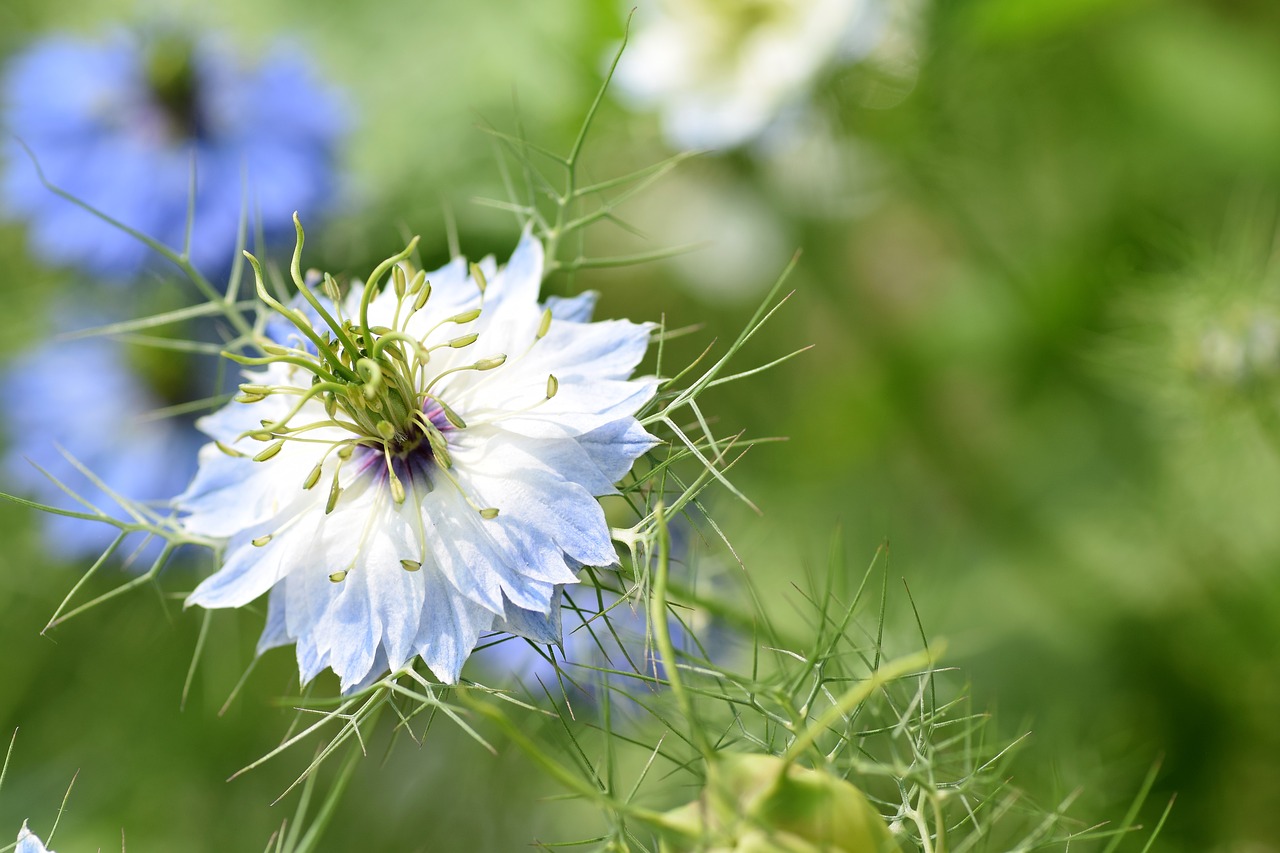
574 309
533 625
28 842
615 447
520 280
276 632
451 626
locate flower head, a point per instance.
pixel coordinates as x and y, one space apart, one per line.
424 469
721 71
83 397
29 842
118 123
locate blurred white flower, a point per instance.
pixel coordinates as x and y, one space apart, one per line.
720 71
29 842
411 496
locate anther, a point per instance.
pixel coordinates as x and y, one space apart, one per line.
489 513
478 275
463 341
553 386
410 565
398 281
334 491
261 540
545 325
451 416
465 316
250 398
230 451
339 576
312 478
423 295
490 363
386 430
269 452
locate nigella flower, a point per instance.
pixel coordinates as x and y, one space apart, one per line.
29 842
428 468
83 396
720 73
117 123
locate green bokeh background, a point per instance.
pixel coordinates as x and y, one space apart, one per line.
1013 277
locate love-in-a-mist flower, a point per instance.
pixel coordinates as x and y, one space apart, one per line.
118 122
105 422
29 842
720 71
421 466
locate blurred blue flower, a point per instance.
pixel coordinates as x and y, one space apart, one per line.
117 123
83 396
29 842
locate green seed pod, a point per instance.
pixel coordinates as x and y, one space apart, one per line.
756 803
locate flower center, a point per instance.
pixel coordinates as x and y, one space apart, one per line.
171 77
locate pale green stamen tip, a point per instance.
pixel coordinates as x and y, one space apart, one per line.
410 565
553 386
399 281
489 513
478 275
312 478
491 362
230 451
545 325
451 416
465 316
397 489
339 576
269 452
334 492
261 540
386 430
463 341
423 295
250 398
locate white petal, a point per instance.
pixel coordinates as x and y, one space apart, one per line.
249 571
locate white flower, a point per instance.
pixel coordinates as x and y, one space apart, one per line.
29 842
412 495
722 70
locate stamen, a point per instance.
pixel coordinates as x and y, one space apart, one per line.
269 452
410 565
338 576
553 386
545 325
261 540
478 275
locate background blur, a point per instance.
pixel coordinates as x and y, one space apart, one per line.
1040 271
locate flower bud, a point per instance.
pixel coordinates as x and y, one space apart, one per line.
754 803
